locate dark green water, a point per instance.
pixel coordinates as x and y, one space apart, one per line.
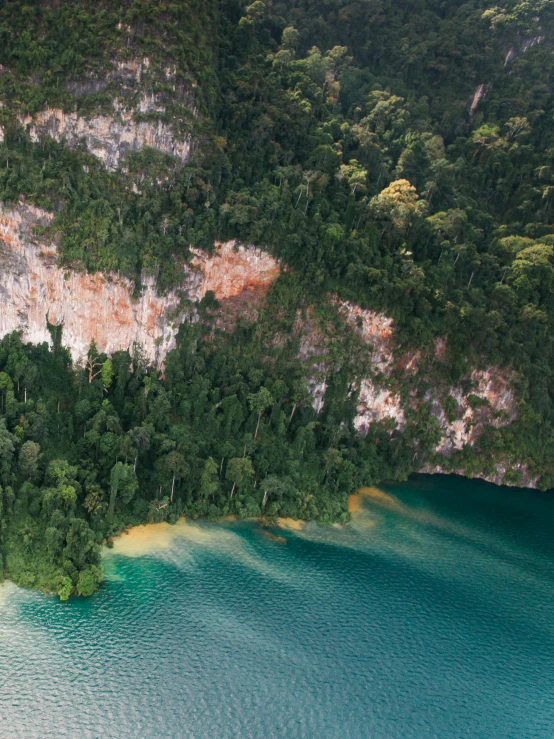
432 615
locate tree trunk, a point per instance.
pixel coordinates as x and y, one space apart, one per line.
233 491
135 464
264 500
292 413
172 487
258 425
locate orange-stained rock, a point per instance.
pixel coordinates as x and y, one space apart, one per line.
231 271
101 307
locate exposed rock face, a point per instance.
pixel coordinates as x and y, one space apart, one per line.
111 137
489 402
498 409
499 477
515 51
376 400
317 392
377 404
376 330
480 93
100 306
232 270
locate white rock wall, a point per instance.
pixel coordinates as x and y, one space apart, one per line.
109 138
376 403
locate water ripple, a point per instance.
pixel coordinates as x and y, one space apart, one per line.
430 616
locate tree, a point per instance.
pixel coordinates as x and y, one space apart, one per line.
274 488
259 402
62 486
239 472
354 174
65 588
399 203
6 385
122 482
208 479
80 548
7 449
88 581
29 458
94 503
178 468
107 374
140 438
95 366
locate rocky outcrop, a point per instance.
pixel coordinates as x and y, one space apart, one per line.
491 402
33 289
524 46
234 270
377 404
478 95
395 383
502 475
109 137
137 118
375 329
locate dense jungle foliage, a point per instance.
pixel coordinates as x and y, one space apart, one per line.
400 155
229 429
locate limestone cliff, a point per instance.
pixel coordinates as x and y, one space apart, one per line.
33 288
100 306
396 383
109 137
138 117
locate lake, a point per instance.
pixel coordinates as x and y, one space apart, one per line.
430 615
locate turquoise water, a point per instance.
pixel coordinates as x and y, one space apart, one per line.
431 615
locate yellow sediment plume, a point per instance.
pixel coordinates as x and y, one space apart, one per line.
362 516
379 496
141 540
160 540
291 524
154 538
373 495
354 503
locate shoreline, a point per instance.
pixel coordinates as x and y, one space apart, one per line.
136 541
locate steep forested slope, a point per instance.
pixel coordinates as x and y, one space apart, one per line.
398 156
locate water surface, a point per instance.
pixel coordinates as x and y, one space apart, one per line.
431 615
